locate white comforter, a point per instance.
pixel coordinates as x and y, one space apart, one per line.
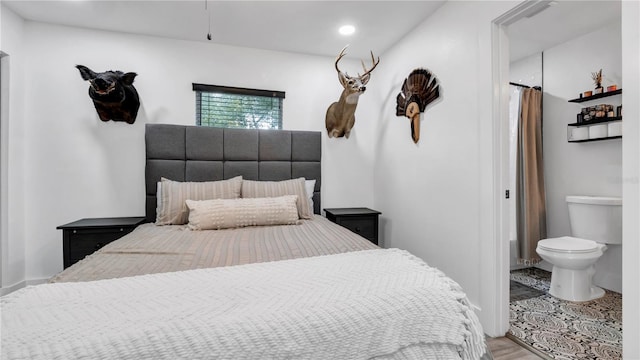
359 305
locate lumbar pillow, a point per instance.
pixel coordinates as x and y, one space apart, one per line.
234 213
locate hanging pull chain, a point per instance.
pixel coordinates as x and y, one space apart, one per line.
209 15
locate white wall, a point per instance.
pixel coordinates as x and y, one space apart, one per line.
75 166
631 179
527 71
590 168
431 194
12 223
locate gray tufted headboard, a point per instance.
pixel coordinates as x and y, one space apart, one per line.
195 153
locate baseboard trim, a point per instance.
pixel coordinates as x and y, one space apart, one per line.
9 289
24 283
37 281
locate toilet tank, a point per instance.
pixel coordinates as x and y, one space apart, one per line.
596 218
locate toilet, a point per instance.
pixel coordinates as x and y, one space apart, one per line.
595 222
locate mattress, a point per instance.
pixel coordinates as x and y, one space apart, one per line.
309 291
153 249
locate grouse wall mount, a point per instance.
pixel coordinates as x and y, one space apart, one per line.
419 89
113 94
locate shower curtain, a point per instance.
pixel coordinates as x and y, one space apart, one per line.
531 213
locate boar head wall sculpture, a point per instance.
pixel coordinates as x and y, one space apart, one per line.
113 94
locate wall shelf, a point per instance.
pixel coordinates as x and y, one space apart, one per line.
582 131
587 124
597 139
596 96
597 121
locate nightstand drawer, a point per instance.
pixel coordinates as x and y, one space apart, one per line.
364 226
86 241
83 237
362 221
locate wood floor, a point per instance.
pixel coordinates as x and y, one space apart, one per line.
503 348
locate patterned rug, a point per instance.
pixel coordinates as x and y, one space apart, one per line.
564 329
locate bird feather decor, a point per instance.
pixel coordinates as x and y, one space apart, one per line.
419 89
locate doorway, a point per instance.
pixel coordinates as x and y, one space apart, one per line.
532 13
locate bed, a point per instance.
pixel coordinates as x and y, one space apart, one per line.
308 289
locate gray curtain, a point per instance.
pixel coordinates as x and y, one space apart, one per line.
531 210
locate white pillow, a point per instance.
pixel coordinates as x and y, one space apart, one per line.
310 186
234 213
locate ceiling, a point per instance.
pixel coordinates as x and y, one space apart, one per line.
560 22
307 27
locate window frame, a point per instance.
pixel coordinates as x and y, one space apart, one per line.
200 88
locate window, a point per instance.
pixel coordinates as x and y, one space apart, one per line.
230 107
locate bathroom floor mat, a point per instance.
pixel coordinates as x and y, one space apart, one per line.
518 291
564 329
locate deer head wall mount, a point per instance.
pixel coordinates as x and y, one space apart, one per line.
341 114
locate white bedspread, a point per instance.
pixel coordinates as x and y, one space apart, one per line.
358 305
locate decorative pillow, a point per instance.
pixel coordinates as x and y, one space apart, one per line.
260 189
310 186
172 209
234 213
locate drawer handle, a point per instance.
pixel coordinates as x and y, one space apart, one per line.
98 246
357 229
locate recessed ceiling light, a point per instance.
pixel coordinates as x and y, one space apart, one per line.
347 30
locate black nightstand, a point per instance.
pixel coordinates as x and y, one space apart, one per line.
83 237
362 221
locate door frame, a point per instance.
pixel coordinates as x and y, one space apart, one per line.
498 296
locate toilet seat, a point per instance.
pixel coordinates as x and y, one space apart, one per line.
569 245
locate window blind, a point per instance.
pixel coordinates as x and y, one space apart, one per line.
231 107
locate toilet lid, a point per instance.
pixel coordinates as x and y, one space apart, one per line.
568 244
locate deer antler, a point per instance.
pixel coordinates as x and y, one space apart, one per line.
340 56
374 62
